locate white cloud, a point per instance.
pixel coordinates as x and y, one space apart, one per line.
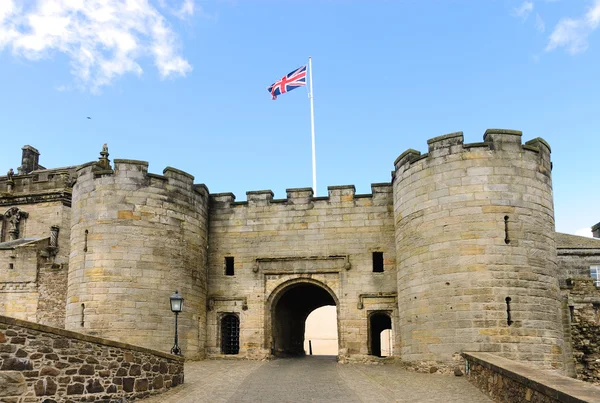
584 232
539 23
524 10
572 34
104 39
186 10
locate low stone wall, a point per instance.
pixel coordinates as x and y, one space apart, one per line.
39 363
508 381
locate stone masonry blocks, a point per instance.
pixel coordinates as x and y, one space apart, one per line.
136 238
469 239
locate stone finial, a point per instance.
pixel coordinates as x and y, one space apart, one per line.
103 161
10 174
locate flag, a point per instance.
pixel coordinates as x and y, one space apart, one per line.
295 79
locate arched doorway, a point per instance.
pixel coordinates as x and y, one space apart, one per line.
378 322
290 305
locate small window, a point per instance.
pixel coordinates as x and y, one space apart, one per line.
229 265
377 262
11 266
595 274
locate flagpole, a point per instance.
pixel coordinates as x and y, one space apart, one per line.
312 128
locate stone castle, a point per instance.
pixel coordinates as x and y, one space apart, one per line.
458 252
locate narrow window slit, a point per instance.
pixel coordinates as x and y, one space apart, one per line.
82 314
85 240
229 266
377 262
572 313
508 319
506 240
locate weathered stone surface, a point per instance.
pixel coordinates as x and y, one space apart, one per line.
157 382
128 384
94 386
21 353
16 364
141 385
75 389
86 369
12 383
135 370
45 387
60 343
49 371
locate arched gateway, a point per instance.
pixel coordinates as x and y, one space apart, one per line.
287 309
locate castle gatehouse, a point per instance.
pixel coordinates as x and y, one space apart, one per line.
458 252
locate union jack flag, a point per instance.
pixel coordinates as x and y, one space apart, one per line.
295 79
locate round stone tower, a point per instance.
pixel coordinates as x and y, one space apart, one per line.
476 255
135 239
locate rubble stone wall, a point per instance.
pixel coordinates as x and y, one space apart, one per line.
39 363
584 304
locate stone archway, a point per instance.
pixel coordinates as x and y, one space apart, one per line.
288 307
378 322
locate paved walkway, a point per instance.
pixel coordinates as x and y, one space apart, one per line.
313 379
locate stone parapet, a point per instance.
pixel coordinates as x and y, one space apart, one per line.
42 363
381 193
507 381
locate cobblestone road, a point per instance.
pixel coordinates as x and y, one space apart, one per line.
313 379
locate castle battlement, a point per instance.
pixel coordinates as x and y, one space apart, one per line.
498 140
38 181
381 193
136 172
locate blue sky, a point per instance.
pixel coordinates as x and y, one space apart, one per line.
183 83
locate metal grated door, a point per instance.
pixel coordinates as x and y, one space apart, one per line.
230 334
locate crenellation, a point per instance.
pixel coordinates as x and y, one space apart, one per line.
339 194
179 176
407 157
446 144
503 139
259 197
299 195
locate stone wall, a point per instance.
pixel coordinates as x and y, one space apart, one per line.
508 381
18 280
475 240
43 364
326 241
136 238
35 288
584 305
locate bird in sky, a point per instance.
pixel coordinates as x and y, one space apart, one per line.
89 117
